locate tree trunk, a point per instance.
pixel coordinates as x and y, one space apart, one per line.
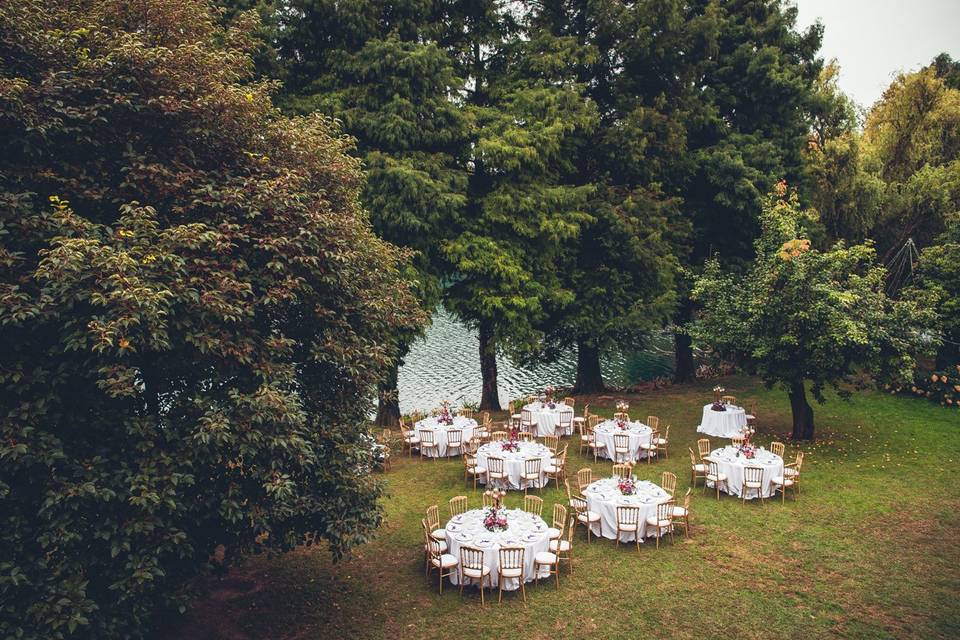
388 403
589 375
684 368
802 412
490 396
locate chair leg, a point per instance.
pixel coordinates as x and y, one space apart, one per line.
523 590
500 589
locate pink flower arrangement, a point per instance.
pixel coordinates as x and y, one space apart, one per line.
627 486
444 415
510 445
495 520
622 424
748 451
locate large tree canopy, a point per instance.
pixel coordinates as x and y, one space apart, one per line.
194 313
803 315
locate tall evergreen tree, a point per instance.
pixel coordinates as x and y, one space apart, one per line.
374 65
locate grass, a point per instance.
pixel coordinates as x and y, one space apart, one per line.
870 549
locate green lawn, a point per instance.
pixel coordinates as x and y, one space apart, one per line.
870 549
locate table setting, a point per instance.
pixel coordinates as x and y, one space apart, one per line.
515 453
605 495
722 420
546 412
732 460
491 528
638 432
440 424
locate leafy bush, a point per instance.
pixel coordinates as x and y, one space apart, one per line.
938 386
194 313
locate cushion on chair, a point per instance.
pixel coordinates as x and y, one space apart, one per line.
661 441
412 440
476 572
439 543
713 478
700 468
652 521
439 534
788 472
627 527
752 485
445 561
479 471
512 573
553 534
550 469
563 545
588 516
545 557
787 482
679 512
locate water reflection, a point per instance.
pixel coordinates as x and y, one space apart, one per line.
446 365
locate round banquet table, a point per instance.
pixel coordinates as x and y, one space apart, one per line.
467 425
547 419
722 424
639 434
524 530
513 461
604 497
732 466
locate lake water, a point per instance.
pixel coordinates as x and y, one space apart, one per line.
445 365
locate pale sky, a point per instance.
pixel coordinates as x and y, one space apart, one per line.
874 39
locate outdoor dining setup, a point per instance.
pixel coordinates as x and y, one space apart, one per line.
495 542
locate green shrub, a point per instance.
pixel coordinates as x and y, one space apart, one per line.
193 315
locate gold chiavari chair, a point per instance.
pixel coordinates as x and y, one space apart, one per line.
628 521
533 504
531 473
443 562
526 436
496 471
663 521
793 469
473 568
472 469
428 444
650 447
621 470
467 413
563 549
552 443
663 443
527 421
668 482
584 516
593 421
564 424
778 448
697 469
579 421
786 481
585 436
717 478
570 402
433 521
454 441
559 521
515 415
621 446
499 435
622 415
557 468
484 417
738 441
728 399
681 515
584 478
653 422
752 481
595 445
703 448
427 539
457 505
549 560
411 440
752 413
510 567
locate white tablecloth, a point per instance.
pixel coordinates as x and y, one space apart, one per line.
639 434
466 425
513 461
523 530
732 466
604 497
547 419
722 424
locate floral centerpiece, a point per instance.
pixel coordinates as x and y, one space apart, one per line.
627 486
748 450
622 424
717 405
495 518
510 445
444 415
548 397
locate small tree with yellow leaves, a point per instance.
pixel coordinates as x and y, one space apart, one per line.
801 315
